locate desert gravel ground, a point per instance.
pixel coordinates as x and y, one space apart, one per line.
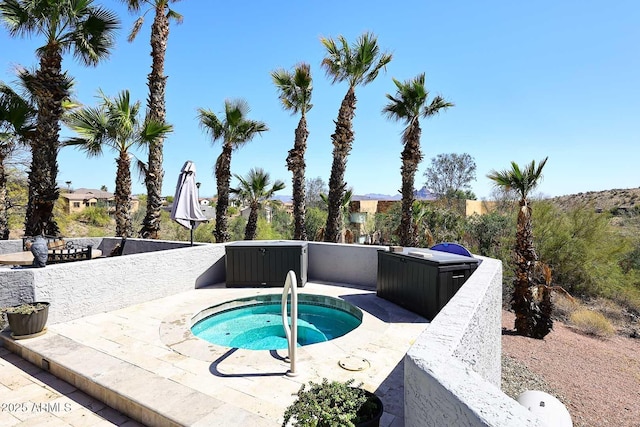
597 379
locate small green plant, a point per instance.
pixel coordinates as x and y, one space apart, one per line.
27 308
329 404
591 323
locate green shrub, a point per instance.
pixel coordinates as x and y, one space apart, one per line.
490 235
315 220
591 323
330 403
93 215
435 223
236 226
581 247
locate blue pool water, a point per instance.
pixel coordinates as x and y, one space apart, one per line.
259 327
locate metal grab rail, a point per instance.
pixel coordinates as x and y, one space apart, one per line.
291 283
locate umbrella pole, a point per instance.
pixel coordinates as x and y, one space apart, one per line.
192 224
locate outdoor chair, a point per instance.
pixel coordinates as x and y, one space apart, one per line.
56 256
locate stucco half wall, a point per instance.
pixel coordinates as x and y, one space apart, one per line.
452 373
151 269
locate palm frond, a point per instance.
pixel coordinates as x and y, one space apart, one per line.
137 25
359 63
172 14
94 36
521 180
152 130
133 5
295 88
410 102
17 17
210 123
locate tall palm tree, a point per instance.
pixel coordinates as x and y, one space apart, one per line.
156 109
345 204
409 105
115 123
74 26
358 64
255 190
234 130
17 123
295 94
530 321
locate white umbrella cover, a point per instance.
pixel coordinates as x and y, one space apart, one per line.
186 207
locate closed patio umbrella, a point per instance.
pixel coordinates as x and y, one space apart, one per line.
186 208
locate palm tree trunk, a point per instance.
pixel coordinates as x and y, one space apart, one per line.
4 202
296 164
525 257
252 224
223 183
411 158
544 309
124 227
49 92
157 111
342 141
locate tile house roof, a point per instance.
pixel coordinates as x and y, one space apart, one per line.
89 193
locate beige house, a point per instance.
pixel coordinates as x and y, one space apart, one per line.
362 213
81 198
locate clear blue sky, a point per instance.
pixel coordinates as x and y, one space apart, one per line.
529 80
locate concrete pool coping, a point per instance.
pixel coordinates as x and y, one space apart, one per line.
143 360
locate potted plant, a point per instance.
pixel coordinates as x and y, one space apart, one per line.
28 319
334 403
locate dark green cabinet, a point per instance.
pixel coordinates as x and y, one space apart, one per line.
422 284
265 263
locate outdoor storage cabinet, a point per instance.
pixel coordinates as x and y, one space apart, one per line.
422 281
265 263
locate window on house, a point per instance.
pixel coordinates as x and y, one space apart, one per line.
76 204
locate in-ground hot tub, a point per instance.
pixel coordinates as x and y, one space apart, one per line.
255 323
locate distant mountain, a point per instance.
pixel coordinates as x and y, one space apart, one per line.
283 199
421 194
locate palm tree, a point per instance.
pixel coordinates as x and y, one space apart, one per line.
17 120
156 109
115 124
530 321
254 190
295 94
235 130
345 203
67 26
408 105
358 65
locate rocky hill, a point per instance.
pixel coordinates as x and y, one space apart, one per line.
608 200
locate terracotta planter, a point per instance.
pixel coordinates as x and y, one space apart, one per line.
26 325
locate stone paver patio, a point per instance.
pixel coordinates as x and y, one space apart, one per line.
143 361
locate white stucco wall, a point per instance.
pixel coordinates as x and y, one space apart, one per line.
8 246
452 373
341 263
78 289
